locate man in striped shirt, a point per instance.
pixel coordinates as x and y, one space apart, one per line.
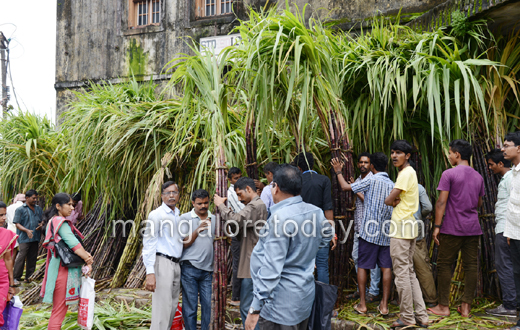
374 242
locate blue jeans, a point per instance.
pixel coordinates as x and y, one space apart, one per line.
246 299
322 265
375 274
194 282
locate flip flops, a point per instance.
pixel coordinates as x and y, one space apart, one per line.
379 311
430 311
357 310
400 324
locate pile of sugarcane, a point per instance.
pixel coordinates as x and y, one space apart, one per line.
137 275
220 248
340 267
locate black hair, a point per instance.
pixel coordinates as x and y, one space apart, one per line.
412 164
497 156
513 137
2 205
199 193
167 184
379 160
232 171
270 167
289 179
244 182
463 147
402 145
304 160
363 154
76 197
30 193
59 198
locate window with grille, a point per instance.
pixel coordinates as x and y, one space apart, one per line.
144 12
207 8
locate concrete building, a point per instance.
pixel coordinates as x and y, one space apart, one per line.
111 40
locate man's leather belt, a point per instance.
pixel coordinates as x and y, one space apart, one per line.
176 260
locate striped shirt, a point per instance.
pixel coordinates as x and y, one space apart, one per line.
234 204
359 212
376 222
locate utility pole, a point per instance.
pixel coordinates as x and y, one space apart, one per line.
3 63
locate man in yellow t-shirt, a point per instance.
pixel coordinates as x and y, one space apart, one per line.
403 231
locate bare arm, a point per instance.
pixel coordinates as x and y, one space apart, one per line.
25 230
337 165
440 208
393 198
9 264
480 201
190 239
361 196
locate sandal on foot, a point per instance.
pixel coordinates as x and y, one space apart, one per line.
353 296
379 311
359 311
430 311
400 324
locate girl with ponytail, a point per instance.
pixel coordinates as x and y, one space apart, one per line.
61 285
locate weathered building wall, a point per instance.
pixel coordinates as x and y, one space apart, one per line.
95 43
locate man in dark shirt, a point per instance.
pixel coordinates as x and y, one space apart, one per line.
28 221
316 190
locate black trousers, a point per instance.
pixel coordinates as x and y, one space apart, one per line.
236 282
514 246
263 324
27 252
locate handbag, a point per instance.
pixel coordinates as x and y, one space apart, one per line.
68 258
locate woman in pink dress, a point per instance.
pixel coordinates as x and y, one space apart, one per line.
61 285
7 244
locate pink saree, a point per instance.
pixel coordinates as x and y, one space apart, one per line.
7 244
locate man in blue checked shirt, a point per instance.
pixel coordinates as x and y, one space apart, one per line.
282 262
374 242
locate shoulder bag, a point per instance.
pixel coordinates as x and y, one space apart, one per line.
68 258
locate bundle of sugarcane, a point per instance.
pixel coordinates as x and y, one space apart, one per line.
252 165
339 266
31 295
137 275
220 247
489 284
457 283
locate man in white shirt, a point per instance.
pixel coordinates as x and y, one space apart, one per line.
266 195
511 151
236 206
162 249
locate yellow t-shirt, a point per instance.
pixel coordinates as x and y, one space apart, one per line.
403 223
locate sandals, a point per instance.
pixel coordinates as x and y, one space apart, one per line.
400 324
379 311
358 311
353 296
430 311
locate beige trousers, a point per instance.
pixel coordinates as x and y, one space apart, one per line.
402 251
166 295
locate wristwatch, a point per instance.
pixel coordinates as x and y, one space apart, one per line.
252 311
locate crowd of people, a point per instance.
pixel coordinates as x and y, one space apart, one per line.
281 234
273 273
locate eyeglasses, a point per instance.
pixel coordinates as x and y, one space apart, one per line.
166 193
273 184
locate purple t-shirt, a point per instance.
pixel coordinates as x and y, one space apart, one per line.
465 186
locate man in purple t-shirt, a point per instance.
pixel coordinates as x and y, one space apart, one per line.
461 190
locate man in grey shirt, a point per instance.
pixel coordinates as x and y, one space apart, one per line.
198 229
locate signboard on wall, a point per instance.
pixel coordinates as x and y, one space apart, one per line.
216 44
